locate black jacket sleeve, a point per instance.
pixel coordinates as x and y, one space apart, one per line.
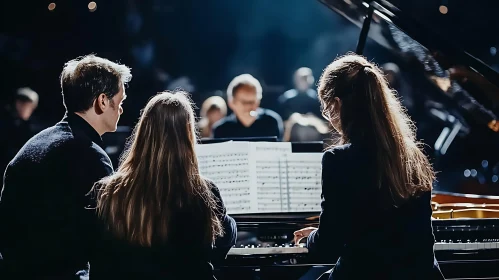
327 241
98 166
228 239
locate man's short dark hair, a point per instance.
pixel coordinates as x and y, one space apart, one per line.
83 79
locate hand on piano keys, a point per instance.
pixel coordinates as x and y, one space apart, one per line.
302 233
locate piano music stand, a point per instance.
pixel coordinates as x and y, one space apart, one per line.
249 139
307 147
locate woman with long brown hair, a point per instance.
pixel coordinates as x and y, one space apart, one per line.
157 214
376 182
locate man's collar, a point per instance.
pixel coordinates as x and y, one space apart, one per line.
80 125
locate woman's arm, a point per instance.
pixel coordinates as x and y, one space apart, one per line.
335 223
228 239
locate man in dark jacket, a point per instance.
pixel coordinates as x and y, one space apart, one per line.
43 222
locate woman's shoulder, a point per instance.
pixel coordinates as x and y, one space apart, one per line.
208 182
339 148
211 185
336 152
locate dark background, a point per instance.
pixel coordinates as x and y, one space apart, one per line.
209 42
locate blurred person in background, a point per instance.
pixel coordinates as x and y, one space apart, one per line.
301 99
16 124
244 94
213 109
396 81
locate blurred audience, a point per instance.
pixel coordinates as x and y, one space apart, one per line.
213 109
17 124
248 119
303 98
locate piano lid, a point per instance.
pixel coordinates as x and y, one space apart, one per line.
469 83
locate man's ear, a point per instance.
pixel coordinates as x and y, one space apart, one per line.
101 103
230 103
337 103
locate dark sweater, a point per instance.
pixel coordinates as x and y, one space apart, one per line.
366 239
43 221
267 123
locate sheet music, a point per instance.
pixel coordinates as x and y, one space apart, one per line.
228 166
304 171
271 181
262 177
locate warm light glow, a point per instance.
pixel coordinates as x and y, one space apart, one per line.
51 6
92 6
443 9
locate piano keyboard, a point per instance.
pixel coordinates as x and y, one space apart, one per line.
466 246
268 250
251 250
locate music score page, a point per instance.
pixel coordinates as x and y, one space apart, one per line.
262 177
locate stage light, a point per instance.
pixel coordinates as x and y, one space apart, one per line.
92 6
443 9
52 6
467 173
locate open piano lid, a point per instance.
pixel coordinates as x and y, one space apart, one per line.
465 101
452 69
443 61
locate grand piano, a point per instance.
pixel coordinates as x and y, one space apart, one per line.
455 103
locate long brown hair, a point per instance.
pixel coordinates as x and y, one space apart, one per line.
158 177
355 92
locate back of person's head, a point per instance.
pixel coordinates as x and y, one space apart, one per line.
358 102
158 178
213 103
85 78
303 78
26 101
244 81
26 94
392 73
